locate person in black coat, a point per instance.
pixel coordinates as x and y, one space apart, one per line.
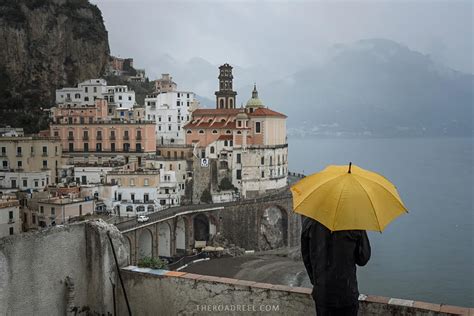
330 259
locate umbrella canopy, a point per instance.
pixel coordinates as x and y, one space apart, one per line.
347 198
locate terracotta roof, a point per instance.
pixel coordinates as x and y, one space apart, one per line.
225 137
216 111
205 124
266 112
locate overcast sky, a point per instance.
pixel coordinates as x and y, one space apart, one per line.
290 33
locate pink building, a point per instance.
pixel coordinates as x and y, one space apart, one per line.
91 129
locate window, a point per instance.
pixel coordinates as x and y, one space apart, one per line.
11 231
80 209
239 123
201 131
5 164
20 164
36 183
239 174
263 174
86 89
262 160
145 182
146 197
95 89
132 197
25 182
221 103
112 147
132 182
212 149
257 127
42 209
214 131
189 132
4 151
86 147
129 98
10 215
18 151
239 158
120 97
53 211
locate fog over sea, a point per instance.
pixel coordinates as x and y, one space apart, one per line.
427 254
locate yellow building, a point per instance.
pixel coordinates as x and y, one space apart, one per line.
29 162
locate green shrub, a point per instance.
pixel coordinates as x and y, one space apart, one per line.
226 184
206 196
153 263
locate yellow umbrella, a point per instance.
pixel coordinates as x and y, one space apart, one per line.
348 197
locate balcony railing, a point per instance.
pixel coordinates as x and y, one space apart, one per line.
126 137
99 137
70 137
112 137
85 137
139 137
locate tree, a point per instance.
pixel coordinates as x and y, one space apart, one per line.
206 196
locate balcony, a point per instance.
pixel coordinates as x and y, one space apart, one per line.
85 137
126 137
70 137
112 137
139 137
99 137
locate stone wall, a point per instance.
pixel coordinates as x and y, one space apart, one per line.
161 292
34 268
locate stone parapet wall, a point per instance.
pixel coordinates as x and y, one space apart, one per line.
161 292
50 272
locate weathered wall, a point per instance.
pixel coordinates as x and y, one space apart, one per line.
34 267
160 292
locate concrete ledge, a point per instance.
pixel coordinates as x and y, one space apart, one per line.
290 300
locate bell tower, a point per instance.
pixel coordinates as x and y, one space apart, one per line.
225 97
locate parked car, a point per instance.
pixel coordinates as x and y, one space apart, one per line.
142 219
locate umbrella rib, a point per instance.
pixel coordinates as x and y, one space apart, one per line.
373 207
314 189
337 207
390 193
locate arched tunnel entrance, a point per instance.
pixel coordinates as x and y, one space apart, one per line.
201 228
180 233
164 240
273 229
145 244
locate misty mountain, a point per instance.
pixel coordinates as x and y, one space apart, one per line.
374 87
200 76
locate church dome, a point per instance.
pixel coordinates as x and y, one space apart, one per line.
254 102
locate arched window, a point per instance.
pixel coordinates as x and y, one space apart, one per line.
140 208
221 103
129 208
231 102
189 132
228 132
222 120
214 131
239 132
201 131
77 96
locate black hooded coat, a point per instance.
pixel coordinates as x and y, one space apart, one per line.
330 260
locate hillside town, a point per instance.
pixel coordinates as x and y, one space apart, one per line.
104 154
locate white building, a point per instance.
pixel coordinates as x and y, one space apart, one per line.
86 174
88 91
170 109
9 217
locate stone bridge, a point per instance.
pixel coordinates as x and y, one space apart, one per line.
267 222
